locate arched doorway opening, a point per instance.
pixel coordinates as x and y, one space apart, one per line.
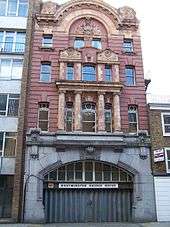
88 191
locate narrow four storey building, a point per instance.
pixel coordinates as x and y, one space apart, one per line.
87 148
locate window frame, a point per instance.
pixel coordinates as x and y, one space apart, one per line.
163 124
47 45
89 65
2 152
108 110
137 118
7 105
16 11
166 158
134 75
125 49
50 71
79 38
45 109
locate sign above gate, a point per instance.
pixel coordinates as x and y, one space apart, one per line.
91 185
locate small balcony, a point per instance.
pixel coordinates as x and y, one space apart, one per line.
12 47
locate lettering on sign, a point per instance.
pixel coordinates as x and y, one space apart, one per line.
79 185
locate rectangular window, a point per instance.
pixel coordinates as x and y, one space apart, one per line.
47 41
167 155
133 119
23 8
108 73
130 75
9 105
9 41
70 72
2 7
7 144
45 72
11 68
20 42
108 117
43 116
12 7
79 43
96 43
69 116
128 45
166 124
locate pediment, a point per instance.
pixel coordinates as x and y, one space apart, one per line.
70 54
107 56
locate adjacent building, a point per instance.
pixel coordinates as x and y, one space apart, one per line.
13 22
159 117
87 151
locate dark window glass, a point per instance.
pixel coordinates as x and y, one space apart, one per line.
130 75
88 117
9 41
133 118
89 73
115 174
96 42
108 73
128 45
167 123
53 175
47 41
3 103
108 117
88 171
70 72
23 8
79 43
1 142
3 7
69 116
43 116
45 72
12 7
13 105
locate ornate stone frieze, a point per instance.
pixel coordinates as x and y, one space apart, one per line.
90 152
70 54
107 56
49 8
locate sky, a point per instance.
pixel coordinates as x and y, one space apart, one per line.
154 17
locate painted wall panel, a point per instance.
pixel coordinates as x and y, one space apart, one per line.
8 124
10 86
13 22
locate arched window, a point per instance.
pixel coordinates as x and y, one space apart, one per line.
108 117
88 117
89 73
133 118
89 171
69 117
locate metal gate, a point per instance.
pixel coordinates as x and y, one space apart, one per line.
82 205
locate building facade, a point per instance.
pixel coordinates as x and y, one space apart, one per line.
87 145
159 117
13 22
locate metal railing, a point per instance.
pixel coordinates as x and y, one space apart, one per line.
12 47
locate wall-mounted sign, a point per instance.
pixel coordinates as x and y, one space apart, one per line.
92 185
159 155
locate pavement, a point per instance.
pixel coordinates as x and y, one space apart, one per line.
153 224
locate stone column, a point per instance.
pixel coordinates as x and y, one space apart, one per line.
117 118
100 72
62 75
77 71
61 110
101 116
77 111
116 74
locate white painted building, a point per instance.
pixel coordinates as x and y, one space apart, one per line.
13 22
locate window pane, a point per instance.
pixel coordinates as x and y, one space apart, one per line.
115 174
9 39
2 7
1 140
17 67
61 173
88 176
12 7
3 102
89 73
20 42
128 45
130 76
79 43
47 41
97 43
167 128
5 68
10 144
45 72
43 115
13 105
123 176
53 175
168 154
23 8
88 127
132 117
1 39
43 125
167 119
107 72
70 72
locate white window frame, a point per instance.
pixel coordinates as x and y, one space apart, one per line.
3 143
166 158
17 10
11 64
7 105
163 125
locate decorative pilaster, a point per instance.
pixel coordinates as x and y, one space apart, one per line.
101 116
77 71
61 110
62 70
100 72
116 74
77 122
117 118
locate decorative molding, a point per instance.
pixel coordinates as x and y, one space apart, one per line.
107 56
49 8
90 152
70 54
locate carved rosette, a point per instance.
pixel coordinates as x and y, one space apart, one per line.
70 54
107 56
